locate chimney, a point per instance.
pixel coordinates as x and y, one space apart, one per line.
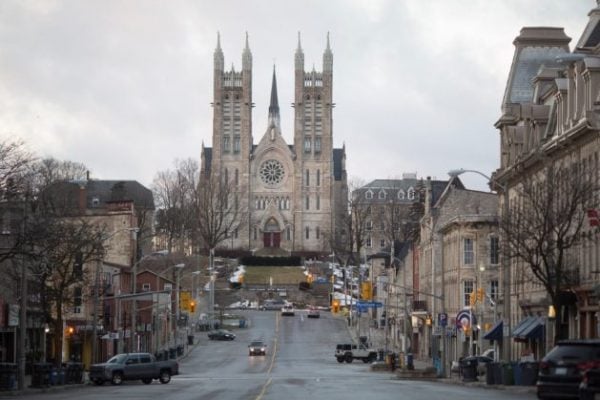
82 198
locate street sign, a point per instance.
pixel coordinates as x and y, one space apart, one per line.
442 319
369 304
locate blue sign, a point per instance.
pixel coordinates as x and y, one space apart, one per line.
369 304
442 319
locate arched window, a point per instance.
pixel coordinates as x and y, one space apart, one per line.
307 232
382 195
411 194
368 194
400 194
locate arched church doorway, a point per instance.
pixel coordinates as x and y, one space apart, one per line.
272 233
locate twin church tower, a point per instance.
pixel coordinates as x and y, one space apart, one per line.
292 194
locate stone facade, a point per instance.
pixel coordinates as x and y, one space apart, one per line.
290 193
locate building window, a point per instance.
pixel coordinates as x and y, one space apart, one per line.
467 290
307 232
318 177
400 194
145 287
78 265
318 205
317 145
288 233
494 250
307 145
382 195
307 202
254 233
494 289
368 195
468 254
411 194
236 144
382 243
369 225
318 232
77 297
369 242
307 178
226 144
235 233
237 177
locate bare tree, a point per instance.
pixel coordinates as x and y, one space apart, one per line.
15 161
546 224
218 209
168 193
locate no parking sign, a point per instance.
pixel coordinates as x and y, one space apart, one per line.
442 319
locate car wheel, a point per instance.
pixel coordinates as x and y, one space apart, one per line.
165 377
340 359
348 358
147 381
117 378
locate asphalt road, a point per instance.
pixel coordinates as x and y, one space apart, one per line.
299 365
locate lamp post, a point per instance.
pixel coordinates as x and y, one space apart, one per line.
505 263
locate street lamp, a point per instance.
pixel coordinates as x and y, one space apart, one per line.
505 262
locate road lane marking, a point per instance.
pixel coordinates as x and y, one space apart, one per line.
272 363
264 389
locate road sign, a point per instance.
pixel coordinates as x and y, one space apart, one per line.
369 304
442 319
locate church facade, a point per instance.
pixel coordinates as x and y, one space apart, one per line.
293 194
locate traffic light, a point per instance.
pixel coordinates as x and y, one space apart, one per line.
192 306
366 291
472 298
70 330
480 294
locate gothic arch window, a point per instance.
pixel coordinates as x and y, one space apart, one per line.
368 195
382 195
318 177
307 178
318 232
307 232
307 97
400 194
318 205
307 202
411 193
287 203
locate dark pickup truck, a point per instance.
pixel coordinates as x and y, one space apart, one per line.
133 366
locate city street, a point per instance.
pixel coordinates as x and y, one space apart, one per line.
299 365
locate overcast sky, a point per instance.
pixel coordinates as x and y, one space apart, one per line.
125 86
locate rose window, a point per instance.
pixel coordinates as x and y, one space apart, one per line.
271 172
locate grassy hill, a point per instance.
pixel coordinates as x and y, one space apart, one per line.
280 275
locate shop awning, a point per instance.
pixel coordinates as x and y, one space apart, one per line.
495 333
534 330
521 326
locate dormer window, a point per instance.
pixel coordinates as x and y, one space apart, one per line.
411 194
382 195
400 194
368 195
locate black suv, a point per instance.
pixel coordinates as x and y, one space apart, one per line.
561 370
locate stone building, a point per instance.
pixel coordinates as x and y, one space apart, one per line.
291 192
550 117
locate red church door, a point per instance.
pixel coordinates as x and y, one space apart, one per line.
272 239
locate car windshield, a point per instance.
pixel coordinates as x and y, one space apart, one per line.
257 344
118 359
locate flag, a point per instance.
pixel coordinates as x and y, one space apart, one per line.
593 217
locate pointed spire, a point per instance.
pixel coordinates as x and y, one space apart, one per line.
299 55
327 57
219 60
247 56
274 105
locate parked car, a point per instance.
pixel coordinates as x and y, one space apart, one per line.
271 305
257 348
589 389
561 370
133 366
221 334
481 362
349 352
313 313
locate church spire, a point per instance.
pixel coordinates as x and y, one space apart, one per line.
299 55
219 60
274 105
247 56
327 57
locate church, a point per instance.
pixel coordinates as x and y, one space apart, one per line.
294 193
